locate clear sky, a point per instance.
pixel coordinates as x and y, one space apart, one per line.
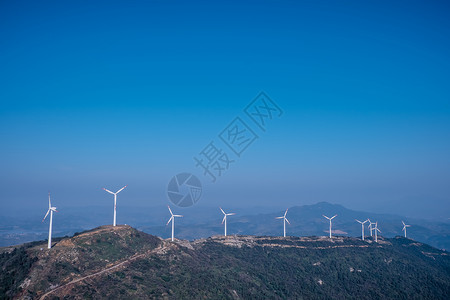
102 94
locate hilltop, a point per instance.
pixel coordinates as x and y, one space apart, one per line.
122 262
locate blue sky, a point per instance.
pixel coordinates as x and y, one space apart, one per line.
113 93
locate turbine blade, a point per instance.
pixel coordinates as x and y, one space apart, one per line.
170 210
169 220
121 189
286 212
231 214
403 223
108 191
287 221
179 216
222 210
279 217
334 217
224 218
326 217
49 203
46 215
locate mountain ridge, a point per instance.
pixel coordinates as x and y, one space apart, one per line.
203 222
307 220
122 262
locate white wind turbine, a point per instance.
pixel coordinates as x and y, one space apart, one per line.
330 221
376 230
370 227
50 210
172 218
362 227
225 219
284 222
404 227
115 201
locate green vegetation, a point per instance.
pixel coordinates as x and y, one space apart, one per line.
212 270
15 266
260 268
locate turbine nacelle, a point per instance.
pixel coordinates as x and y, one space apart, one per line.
115 198
225 214
362 227
330 221
284 222
50 211
284 217
172 215
50 208
404 226
115 192
172 219
330 218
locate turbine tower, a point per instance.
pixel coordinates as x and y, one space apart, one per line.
330 221
404 227
284 222
225 219
362 227
50 210
370 227
172 218
115 201
376 230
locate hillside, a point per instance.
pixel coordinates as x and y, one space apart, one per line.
123 263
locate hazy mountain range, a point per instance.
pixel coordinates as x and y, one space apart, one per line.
201 222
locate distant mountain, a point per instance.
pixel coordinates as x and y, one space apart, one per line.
202 222
124 263
307 220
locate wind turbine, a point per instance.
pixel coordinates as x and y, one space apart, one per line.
330 221
50 210
284 222
404 227
172 218
370 227
115 201
225 219
362 227
376 231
